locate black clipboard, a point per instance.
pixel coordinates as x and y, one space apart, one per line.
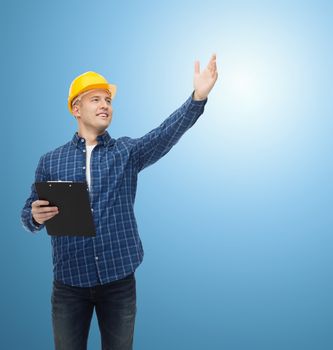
72 198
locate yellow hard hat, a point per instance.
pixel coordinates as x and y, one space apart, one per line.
88 81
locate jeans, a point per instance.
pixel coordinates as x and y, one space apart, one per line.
115 306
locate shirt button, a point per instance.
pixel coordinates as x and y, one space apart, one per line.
84 150
96 257
82 140
83 167
92 209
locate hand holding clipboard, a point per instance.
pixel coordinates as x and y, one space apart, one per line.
41 211
74 217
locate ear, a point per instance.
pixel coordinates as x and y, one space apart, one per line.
76 111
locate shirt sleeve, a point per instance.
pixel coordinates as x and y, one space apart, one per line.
26 216
158 142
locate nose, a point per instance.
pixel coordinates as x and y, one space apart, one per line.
104 104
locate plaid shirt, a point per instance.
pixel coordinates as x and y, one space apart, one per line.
116 250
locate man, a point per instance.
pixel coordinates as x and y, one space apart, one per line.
98 272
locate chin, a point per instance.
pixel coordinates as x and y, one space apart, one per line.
101 128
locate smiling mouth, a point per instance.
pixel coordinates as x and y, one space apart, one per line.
104 115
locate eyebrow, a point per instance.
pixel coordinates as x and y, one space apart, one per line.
99 96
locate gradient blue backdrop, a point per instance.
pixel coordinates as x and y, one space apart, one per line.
236 220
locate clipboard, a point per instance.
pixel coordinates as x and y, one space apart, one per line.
72 198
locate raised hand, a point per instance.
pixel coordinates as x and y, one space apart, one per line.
204 81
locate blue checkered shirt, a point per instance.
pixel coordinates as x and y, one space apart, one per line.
116 250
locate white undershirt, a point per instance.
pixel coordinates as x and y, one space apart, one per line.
89 149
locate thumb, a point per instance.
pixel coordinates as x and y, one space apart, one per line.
197 67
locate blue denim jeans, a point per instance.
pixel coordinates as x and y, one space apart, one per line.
115 307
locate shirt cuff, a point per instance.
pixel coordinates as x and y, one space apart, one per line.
35 224
198 102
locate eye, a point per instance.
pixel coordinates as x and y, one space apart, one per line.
108 101
95 99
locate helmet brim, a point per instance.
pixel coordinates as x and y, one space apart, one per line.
109 87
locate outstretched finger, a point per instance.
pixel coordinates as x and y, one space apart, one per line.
212 61
197 67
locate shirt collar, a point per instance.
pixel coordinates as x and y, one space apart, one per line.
105 139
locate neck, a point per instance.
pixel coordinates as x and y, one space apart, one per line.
90 136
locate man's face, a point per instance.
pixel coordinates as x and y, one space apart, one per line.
94 111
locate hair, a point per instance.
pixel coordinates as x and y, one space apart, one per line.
77 99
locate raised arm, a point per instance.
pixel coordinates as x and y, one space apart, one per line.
154 145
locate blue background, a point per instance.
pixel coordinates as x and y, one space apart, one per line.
236 220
